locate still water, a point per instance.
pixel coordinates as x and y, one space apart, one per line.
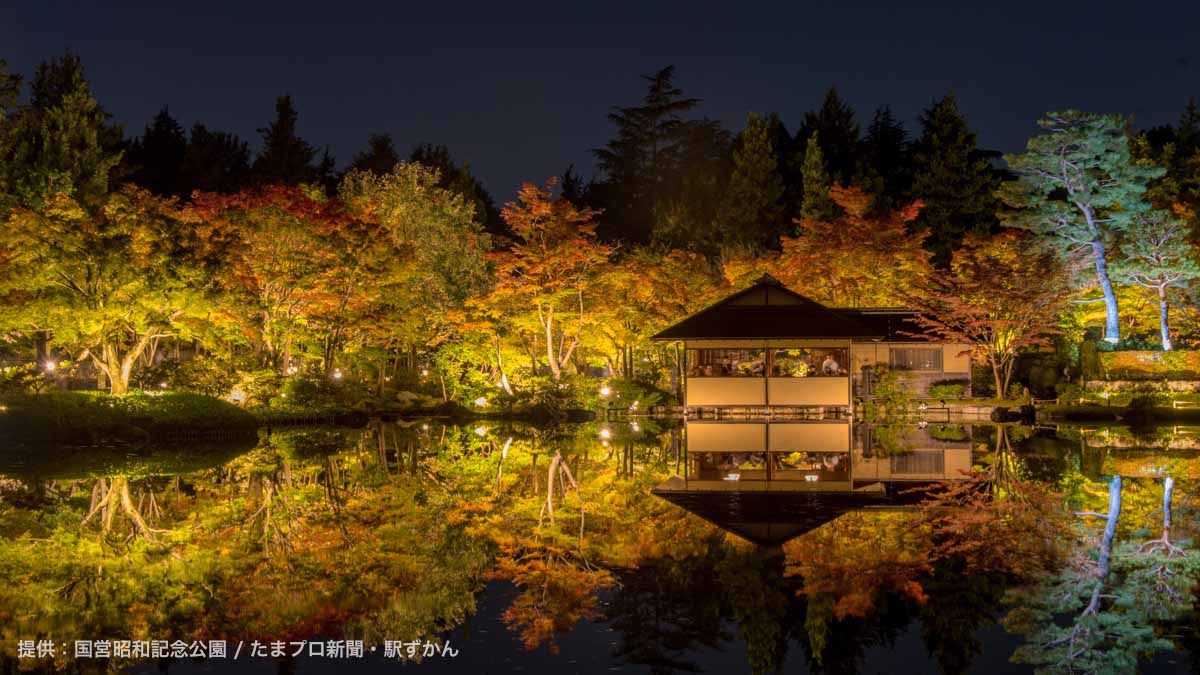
654 546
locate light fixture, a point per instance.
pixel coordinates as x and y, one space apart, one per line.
481 401
605 433
50 366
481 431
605 391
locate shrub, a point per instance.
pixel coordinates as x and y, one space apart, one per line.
24 379
945 389
1149 365
95 416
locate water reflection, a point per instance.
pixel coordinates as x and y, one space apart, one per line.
771 482
718 546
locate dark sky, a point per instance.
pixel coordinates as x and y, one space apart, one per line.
520 89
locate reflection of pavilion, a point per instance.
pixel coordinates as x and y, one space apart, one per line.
770 482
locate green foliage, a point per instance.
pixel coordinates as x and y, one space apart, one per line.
947 389
889 397
751 211
81 417
1080 189
24 379
61 142
955 184
1148 365
815 204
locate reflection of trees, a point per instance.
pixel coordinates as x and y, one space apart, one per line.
110 497
665 608
752 582
1113 598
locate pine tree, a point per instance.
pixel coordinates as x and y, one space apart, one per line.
956 185
379 158
885 160
215 161
644 163
10 90
834 124
285 158
1158 256
1080 189
156 159
751 210
60 142
815 204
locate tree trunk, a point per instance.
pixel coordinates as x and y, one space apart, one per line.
1162 319
1112 324
1110 528
1168 489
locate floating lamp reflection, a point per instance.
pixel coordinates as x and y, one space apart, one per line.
605 433
481 401
481 431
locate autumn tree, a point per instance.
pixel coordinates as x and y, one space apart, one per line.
1158 258
1002 294
865 257
1081 191
275 255
549 272
423 257
107 277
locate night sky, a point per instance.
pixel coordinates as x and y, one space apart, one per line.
520 90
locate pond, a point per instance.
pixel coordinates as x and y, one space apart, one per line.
647 546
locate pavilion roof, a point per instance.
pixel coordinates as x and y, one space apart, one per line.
769 310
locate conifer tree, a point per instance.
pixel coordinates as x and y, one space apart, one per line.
955 184
215 161
885 159
60 142
752 206
285 158
815 204
1158 256
156 159
380 156
1080 189
835 126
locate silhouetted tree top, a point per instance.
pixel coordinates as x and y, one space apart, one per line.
285 157
838 133
379 157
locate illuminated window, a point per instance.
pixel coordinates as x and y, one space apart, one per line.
809 362
726 362
915 358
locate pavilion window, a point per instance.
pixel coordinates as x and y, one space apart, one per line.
809 362
915 358
726 362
